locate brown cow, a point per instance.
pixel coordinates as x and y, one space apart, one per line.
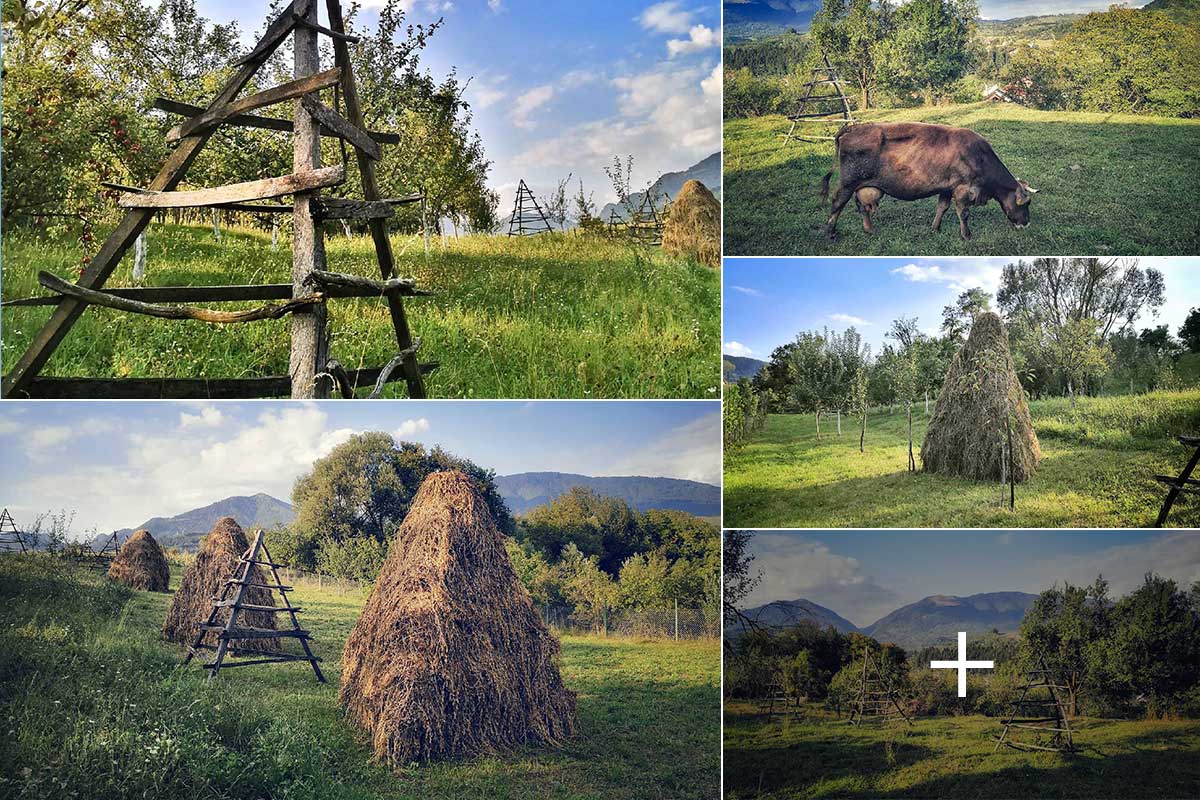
912 160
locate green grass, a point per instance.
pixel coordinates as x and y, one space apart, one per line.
545 317
1097 470
1129 197
821 756
92 704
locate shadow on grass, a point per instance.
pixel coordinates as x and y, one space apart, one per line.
753 771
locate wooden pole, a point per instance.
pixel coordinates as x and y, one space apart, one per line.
308 246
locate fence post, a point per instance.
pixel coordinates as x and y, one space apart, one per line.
677 619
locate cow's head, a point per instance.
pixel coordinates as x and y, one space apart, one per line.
1016 204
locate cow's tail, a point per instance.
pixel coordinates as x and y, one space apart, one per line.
837 150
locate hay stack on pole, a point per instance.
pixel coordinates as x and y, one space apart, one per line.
141 564
216 562
449 657
693 228
980 402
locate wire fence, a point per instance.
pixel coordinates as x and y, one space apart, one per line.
675 622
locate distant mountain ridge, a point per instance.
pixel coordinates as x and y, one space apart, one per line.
526 490
743 367
707 172
185 530
756 19
932 620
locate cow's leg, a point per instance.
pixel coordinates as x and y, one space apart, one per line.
866 215
963 197
840 198
943 204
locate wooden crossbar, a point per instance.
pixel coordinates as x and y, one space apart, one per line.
234 293
335 122
269 97
263 123
263 189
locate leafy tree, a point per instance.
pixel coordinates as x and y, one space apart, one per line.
860 402
850 35
556 203
600 526
645 582
588 588
1077 353
738 580
1060 628
957 318
904 382
1189 332
931 48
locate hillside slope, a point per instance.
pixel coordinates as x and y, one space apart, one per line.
526 490
939 618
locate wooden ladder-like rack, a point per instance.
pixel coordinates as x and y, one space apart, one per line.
821 114
312 373
876 698
233 597
527 218
12 538
1053 721
1183 483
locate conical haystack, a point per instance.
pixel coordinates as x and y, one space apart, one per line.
967 435
141 564
216 563
693 228
449 657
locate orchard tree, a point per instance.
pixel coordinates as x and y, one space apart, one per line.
958 317
931 48
850 35
904 386
1189 332
1077 353
1061 627
860 402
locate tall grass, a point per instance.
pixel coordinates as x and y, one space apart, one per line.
548 316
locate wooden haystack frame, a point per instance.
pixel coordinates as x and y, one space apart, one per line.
1183 483
12 538
312 372
615 223
231 637
646 225
1038 713
527 218
820 108
876 700
778 701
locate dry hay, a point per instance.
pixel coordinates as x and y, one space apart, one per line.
449 657
693 228
216 562
967 435
141 564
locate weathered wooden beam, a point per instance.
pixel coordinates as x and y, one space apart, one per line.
255 121
361 286
269 97
248 207
173 170
336 208
335 122
184 388
344 37
235 293
264 189
98 298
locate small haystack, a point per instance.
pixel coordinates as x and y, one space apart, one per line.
141 564
449 657
967 435
216 563
693 228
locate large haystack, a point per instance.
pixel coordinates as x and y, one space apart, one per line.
216 563
967 435
693 228
141 564
449 657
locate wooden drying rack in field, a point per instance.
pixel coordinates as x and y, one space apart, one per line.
312 372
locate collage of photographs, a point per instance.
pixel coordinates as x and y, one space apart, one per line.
638 400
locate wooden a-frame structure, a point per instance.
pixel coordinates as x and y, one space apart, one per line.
12 538
1044 714
527 218
820 109
646 226
778 701
312 372
876 699
1183 483
233 597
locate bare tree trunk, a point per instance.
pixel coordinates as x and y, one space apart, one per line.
818 425
839 421
862 432
139 256
912 462
1071 392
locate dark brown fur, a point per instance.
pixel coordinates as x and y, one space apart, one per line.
913 160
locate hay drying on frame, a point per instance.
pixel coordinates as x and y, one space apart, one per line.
449 657
216 563
141 564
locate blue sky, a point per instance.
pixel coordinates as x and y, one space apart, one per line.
770 300
119 463
561 87
864 575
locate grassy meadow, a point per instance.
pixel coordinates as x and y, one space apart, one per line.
94 705
1108 184
821 756
538 317
1097 470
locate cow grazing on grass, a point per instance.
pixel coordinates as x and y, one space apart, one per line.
912 160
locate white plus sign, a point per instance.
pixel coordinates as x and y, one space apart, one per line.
962 665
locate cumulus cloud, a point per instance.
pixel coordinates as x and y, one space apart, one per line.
666 17
690 451
959 277
47 436
209 417
711 86
1171 555
412 426
529 101
737 349
849 319
700 37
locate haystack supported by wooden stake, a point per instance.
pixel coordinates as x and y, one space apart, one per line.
141 564
981 395
449 657
693 228
216 562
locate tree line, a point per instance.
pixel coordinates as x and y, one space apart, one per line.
1130 657
925 51
81 79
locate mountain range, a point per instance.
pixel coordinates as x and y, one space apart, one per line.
707 172
932 620
522 492
743 367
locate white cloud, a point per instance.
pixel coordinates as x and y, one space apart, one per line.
94 426
700 37
9 425
959 277
747 290
711 86
666 17
47 436
1171 555
737 349
849 319
495 6
691 452
411 426
528 102
209 417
